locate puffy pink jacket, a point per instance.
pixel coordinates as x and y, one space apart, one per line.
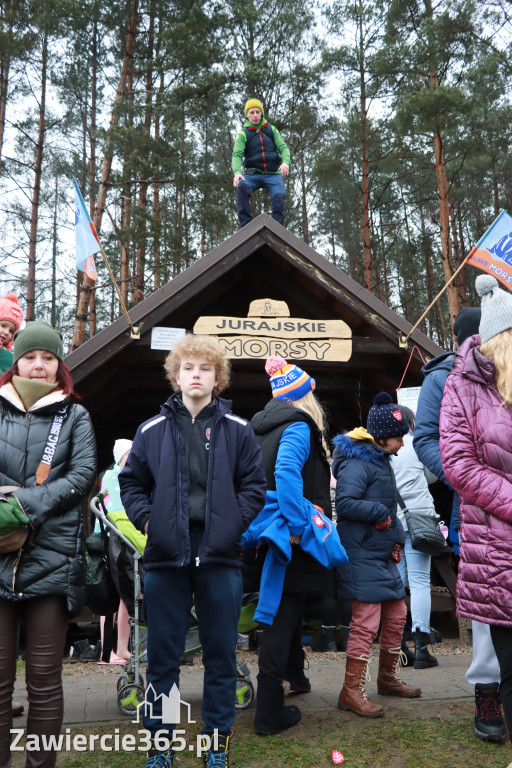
476 449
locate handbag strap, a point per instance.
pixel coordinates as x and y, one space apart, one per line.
45 464
400 500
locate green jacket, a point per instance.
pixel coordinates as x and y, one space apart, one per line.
240 145
6 359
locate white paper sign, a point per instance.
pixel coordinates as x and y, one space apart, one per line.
408 396
165 338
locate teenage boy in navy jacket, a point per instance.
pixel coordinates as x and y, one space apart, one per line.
194 481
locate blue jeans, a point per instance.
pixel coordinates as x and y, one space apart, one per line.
418 576
217 592
273 183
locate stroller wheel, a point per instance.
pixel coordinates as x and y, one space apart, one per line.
244 695
129 696
129 677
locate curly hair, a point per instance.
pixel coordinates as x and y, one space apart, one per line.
206 347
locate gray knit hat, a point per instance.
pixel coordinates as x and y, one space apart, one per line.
496 307
37 335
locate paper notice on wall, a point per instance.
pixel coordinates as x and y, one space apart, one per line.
165 338
408 396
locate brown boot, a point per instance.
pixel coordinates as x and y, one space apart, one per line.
353 695
388 684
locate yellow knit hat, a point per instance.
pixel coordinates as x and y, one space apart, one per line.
253 103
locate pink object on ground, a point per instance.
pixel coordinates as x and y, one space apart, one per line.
337 757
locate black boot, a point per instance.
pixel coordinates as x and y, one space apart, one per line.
488 716
342 638
423 659
327 640
407 651
271 714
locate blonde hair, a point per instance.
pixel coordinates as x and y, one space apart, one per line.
499 350
206 347
312 407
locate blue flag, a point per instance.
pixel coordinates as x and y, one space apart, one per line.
493 252
86 238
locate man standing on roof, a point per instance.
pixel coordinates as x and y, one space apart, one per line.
266 160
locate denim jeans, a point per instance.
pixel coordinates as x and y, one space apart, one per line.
273 183
418 576
217 592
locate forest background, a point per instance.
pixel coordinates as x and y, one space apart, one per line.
397 114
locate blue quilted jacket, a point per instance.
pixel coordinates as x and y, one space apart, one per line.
366 495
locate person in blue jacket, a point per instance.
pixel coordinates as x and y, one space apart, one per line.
484 671
366 511
193 481
290 433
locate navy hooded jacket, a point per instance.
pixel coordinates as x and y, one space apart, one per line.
154 487
365 496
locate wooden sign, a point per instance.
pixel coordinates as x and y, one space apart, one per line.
269 330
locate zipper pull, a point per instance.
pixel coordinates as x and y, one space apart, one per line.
197 562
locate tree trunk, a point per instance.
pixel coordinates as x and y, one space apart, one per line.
305 226
140 281
92 143
442 187
365 180
460 280
5 63
31 276
87 284
54 256
93 320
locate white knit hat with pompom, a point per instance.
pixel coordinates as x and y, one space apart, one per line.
496 307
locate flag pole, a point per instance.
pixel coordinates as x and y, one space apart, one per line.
134 329
402 340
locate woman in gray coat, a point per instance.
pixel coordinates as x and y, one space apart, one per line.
47 467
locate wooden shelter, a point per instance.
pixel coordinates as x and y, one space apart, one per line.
122 383
121 380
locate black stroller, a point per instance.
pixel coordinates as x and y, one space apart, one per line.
131 688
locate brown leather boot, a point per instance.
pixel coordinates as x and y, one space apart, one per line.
353 695
388 684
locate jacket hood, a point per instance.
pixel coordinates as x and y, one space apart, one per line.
222 406
275 414
359 448
471 364
442 362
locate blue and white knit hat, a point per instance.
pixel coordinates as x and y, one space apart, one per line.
496 307
288 382
385 419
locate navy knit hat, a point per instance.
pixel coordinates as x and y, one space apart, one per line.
385 419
